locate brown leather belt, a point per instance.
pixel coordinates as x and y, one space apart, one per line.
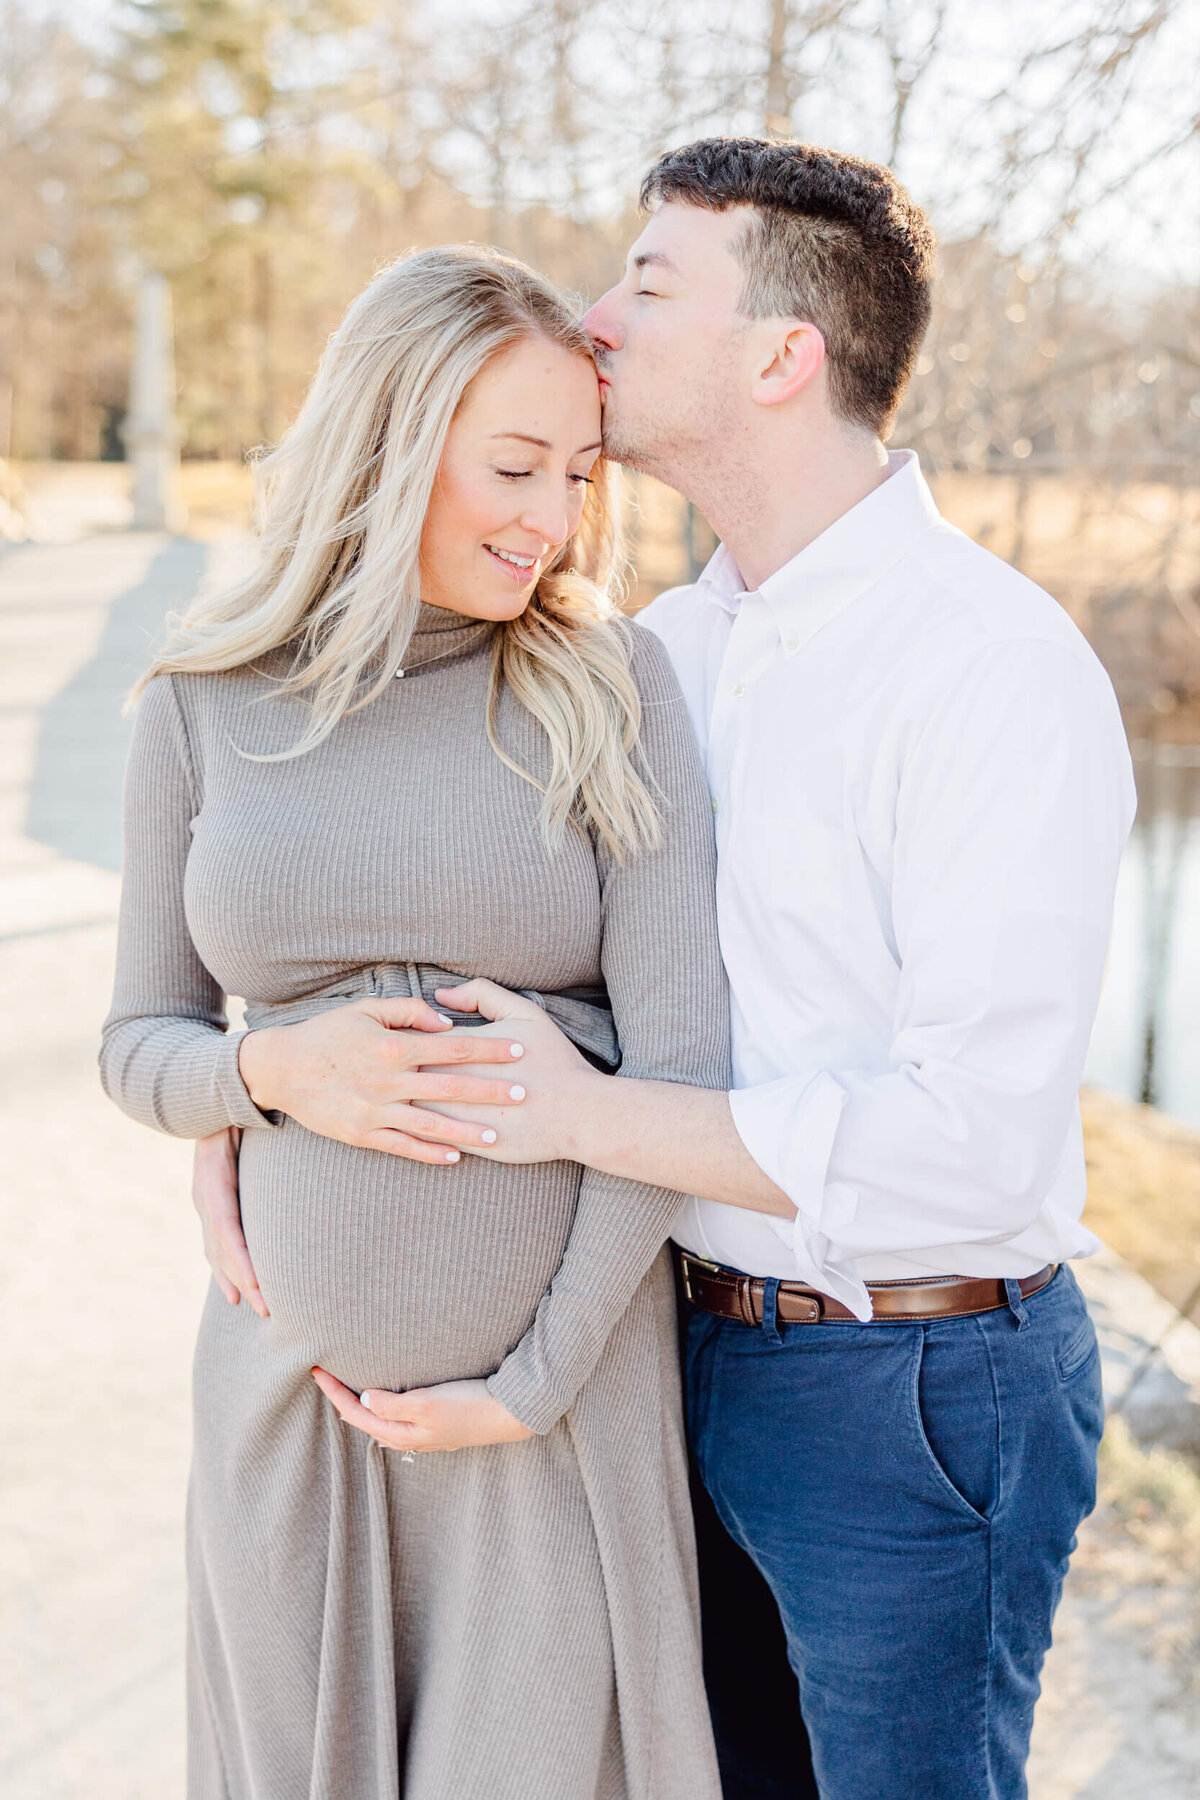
733 1296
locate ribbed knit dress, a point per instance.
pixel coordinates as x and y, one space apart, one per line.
512 1622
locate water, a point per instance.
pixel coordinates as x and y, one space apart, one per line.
1147 1038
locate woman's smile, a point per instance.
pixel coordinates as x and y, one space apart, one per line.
519 567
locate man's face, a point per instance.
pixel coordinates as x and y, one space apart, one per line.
670 342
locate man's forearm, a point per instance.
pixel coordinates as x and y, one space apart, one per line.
672 1136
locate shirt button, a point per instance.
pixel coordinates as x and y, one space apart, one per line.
716 804
791 644
739 690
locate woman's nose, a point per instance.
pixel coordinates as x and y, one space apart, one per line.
549 521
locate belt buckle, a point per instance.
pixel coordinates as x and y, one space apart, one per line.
686 1259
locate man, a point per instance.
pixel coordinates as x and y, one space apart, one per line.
921 790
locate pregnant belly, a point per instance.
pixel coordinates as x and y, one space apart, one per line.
397 1274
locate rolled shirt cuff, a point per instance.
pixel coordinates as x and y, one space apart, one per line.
789 1129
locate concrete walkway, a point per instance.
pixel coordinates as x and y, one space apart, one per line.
102 1276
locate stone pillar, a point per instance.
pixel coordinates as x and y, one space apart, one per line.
150 432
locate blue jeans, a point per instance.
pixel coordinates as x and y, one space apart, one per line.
911 1495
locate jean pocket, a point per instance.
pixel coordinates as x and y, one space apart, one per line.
954 1411
1078 1353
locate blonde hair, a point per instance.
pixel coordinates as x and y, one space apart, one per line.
341 505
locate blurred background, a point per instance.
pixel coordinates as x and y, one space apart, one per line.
245 165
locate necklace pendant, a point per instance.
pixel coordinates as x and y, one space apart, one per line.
399 675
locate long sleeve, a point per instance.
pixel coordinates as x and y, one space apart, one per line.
662 967
1013 807
167 1057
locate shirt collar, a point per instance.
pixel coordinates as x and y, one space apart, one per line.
849 557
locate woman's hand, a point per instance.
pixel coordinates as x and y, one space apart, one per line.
359 1073
215 1197
450 1416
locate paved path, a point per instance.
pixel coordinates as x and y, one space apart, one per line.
102 1278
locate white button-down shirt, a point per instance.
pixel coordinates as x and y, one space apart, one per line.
922 789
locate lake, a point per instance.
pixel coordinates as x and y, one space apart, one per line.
1147 1038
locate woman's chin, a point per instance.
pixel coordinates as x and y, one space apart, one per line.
503 606
496 608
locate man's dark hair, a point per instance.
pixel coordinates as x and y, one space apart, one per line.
837 243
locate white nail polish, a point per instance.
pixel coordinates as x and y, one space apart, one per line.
516 1093
489 1137
453 1156
365 1399
445 1018
516 1049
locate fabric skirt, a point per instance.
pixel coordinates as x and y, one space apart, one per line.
511 1622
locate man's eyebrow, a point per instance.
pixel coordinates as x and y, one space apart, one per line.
646 257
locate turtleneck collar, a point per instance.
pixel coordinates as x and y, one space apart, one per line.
444 635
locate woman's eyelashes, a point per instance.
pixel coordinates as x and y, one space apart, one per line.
524 474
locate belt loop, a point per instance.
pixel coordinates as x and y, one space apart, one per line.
1016 1302
770 1311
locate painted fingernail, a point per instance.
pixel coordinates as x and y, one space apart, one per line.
445 1018
489 1137
365 1398
516 1093
516 1049
452 1156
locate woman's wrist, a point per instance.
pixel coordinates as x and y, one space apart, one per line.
255 1060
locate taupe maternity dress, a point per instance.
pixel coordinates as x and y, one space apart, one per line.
515 1622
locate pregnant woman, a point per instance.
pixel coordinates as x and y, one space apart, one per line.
417 746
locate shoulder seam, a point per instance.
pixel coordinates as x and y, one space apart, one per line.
185 737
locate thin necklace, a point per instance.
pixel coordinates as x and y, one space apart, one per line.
415 668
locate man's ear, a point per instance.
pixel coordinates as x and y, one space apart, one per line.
793 356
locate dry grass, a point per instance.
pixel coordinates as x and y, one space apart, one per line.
1077 536
1144 1191
217 497
1139 1555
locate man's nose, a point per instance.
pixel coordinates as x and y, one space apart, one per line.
600 322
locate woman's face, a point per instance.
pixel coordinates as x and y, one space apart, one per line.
510 489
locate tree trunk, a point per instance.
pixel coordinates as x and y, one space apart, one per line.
778 109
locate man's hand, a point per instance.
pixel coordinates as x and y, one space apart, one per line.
215 1197
662 1133
561 1084
361 1073
451 1416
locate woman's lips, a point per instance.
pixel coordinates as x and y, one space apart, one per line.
512 570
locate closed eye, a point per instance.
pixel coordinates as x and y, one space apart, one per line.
648 294
585 478
515 474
